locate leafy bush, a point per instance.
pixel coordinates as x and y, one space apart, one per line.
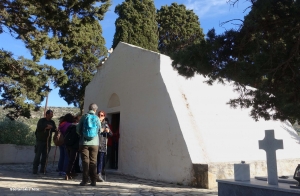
15 132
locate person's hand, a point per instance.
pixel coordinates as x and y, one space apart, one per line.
49 126
106 130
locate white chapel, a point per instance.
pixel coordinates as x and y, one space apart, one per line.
181 130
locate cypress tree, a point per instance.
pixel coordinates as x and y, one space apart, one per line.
136 24
178 28
82 66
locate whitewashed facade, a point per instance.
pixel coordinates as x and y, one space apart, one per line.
181 130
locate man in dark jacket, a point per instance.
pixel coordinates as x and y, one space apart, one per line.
44 129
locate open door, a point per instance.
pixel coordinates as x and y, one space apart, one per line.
114 152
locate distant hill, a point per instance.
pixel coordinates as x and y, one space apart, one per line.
35 116
57 112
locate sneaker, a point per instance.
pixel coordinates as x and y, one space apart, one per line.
93 183
43 172
62 173
99 178
83 184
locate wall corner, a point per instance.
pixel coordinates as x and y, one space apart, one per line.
202 178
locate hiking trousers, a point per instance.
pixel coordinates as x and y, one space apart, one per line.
41 149
89 162
100 162
60 165
72 153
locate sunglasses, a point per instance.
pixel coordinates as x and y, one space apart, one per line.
101 114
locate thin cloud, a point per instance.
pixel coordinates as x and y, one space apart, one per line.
208 8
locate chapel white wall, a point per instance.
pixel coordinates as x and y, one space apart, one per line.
169 122
213 131
151 144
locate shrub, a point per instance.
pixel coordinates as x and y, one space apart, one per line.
15 132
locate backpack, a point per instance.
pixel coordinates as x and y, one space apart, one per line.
71 137
90 126
58 138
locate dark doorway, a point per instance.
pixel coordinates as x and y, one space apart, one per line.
115 124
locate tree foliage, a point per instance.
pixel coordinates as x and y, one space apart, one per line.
177 28
23 84
81 67
263 53
47 28
136 24
16 132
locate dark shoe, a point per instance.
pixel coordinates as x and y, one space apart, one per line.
34 171
73 175
83 184
93 184
43 171
99 178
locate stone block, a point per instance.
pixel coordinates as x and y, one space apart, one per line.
242 172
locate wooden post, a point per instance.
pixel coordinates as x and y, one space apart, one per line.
46 105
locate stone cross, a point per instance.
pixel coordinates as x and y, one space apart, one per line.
270 145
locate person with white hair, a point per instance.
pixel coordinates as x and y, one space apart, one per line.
88 129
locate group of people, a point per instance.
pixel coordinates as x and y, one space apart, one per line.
92 131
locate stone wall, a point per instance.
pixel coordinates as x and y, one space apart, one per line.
205 175
11 153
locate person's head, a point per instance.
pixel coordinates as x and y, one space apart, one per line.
93 107
68 118
101 115
49 114
77 118
61 119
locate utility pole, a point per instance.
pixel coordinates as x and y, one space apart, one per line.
46 105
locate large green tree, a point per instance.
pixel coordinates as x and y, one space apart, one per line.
46 28
177 28
23 84
136 24
263 53
82 66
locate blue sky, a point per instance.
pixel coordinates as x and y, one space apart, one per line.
211 13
